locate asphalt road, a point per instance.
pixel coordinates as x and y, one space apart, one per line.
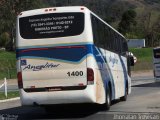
143 103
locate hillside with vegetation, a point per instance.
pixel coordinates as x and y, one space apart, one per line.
145 25
133 18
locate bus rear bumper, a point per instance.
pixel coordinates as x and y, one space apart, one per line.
87 95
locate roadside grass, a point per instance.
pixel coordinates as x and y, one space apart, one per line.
12 94
144 58
7 64
5 54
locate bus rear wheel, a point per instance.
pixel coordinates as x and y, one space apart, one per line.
108 99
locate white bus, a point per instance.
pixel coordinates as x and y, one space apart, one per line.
70 55
156 63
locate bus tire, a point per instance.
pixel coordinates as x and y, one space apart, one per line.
124 98
108 99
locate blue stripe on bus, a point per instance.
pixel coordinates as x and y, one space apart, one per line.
124 72
104 70
66 54
59 60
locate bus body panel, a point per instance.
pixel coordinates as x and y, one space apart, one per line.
157 70
98 82
62 66
58 97
116 66
156 63
56 76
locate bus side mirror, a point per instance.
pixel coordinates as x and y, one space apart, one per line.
131 59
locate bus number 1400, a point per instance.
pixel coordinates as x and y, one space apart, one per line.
75 73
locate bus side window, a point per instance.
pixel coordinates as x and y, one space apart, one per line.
124 48
107 39
117 44
95 30
98 32
113 41
120 45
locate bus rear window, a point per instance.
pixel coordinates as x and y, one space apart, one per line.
51 25
156 53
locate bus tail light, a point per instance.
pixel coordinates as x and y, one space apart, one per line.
20 83
90 76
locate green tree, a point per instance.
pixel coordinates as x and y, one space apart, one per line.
8 12
4 39
127 21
